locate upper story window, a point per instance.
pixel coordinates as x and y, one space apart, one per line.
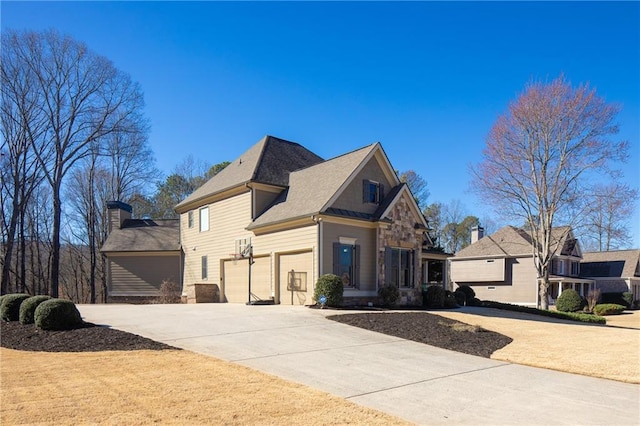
190 218
373 192
575 268
204 219
557 267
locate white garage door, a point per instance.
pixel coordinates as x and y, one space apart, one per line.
236 280
296 278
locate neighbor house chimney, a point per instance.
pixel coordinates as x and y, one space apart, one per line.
477 232
118 212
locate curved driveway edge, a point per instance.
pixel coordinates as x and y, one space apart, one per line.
417 382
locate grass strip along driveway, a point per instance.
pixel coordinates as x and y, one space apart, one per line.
609 352
168 387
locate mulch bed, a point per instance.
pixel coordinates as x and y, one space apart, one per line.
89 338
431 329
417 326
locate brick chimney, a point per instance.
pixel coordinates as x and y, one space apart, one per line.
477 232
118 212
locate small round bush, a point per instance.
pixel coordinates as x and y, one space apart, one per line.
434 297
628 298
608 309
57 314
450 301
10 307
468 291
569 301
389 294
331 287
28 308
460 296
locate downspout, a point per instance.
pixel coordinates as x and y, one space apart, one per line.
320 239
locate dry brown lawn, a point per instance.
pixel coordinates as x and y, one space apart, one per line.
169 387
610 352
181 387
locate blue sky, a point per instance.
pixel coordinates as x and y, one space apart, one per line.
427 79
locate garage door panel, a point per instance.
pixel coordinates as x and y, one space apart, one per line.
295 278
261 279
236 280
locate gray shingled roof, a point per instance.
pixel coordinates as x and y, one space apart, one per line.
269 161
617 263
511 241
508 241
138 235
310 189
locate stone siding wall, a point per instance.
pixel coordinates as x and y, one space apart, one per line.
401 233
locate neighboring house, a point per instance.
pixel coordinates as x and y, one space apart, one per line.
141 254
500 266
614 271
278 217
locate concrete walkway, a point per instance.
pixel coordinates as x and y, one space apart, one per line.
417 382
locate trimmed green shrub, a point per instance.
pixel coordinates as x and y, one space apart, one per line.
608 309
57 314
450 300
468 292
628 298
613 297
460 296
573 316
331 287
28 308
569 301
389 294
474 302
434 297
10 307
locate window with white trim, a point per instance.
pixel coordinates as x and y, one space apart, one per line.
190 219
204 219
205 268
575 268
346 261
372 192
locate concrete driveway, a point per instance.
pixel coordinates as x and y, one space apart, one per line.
417 382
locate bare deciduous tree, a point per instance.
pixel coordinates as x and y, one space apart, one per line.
82 99
540 160
606 225
417 185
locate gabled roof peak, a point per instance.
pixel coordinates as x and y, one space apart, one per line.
269 161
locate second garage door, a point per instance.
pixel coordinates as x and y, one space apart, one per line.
296 278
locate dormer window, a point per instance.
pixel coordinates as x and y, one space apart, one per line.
373 192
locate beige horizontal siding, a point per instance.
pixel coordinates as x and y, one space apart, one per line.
365 238
228 219
142 275
481 270
351 197
519 286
